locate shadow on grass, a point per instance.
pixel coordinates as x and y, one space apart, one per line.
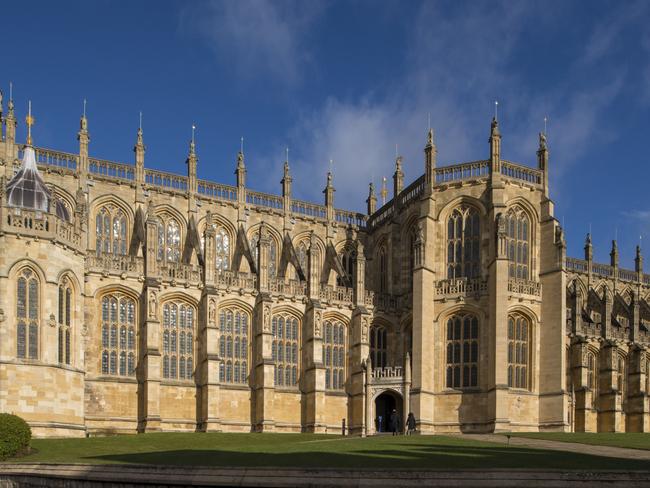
411 457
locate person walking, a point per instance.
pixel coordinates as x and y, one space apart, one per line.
395 424
410 424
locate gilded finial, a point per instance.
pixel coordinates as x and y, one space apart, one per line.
10 105
29 120
384 191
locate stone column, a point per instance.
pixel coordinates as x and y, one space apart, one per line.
359 351
149 380
637 399
313 382
369 426
585 415
263 379
407 387
422 394
609 419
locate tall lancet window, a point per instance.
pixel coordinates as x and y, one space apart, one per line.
285 349
233 345
169 240
347 260
383 270
518 227
463 244
178 340
273 253
518 351
378 347
65 321
27 314
301 252
334 352
462 351
118 335
222 250
110 231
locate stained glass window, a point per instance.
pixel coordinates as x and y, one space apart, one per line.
65 321
178 340
233 345
169 240
518 241
518 351
118 335
378 347
334 352
222 250
27 314
110 231
462 351
285 330
463 244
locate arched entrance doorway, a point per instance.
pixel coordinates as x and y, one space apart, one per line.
385 403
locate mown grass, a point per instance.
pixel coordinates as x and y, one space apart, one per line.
305 450
629 440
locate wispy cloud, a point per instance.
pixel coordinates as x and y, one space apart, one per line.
257 38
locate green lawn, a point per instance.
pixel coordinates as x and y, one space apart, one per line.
631 440
304 450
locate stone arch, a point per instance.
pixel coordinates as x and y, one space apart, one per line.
459 201
179 295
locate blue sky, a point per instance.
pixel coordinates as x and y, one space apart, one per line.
347 81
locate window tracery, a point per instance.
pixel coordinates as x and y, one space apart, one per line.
301 253
178 340
65 321
233 345
334 352
273 253
383 270
111 231
285 330
222 250
518 241
27 314
463 244
347 260
518 351
378 347
462 351
169 239
592 376
118 335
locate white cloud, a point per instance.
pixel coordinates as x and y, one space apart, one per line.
258 38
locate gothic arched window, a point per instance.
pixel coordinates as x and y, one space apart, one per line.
301 253
273 253
169 240
347 261
178 340
111 231
518 351
65 321
378 347
118 335
334 352
592 376
621 376
28 312
383 270
233 345
463 244
222 250
462 351
285 329
518 241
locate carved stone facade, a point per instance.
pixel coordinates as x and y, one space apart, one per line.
161 302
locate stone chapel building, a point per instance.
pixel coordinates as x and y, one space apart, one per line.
135 300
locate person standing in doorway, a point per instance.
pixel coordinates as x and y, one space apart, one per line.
410 424
395 424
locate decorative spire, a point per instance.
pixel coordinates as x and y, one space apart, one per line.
29 120
589 250
384 191
241 166
638 259
192 145
495 143
614 254
10 105
329 189
398 177
372 199
430 156
286 177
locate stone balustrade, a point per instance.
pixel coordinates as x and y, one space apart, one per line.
233 279
109 263
39 224
461 287
336 294
181 272
387 372
289 287
524 287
